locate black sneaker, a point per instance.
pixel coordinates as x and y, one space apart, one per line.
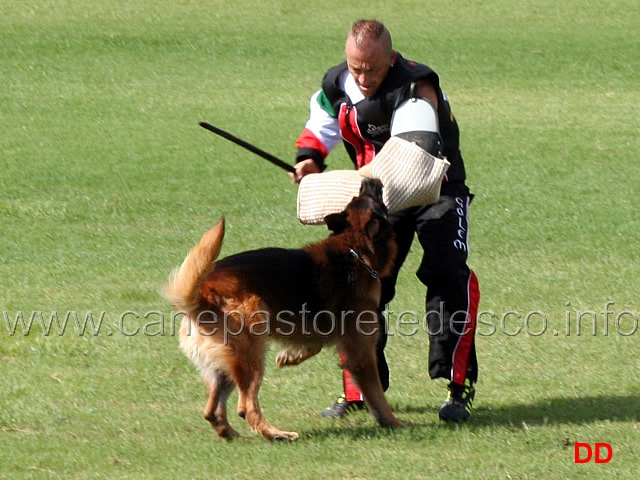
342 407
457 408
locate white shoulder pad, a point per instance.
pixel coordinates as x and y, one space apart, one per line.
414 114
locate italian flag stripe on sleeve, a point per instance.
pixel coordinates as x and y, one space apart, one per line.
325 104
309 140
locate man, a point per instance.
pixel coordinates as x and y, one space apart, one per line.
356 105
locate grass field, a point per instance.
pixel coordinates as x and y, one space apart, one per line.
107 181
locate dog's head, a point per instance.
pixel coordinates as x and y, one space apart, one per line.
365 220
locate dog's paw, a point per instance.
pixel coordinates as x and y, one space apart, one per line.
285 437
393 424
288 357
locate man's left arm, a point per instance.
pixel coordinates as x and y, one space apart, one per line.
427 90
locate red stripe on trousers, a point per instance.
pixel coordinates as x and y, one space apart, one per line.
351 391
463 349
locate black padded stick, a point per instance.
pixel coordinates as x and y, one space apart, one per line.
248 146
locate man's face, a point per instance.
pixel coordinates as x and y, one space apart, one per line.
368 64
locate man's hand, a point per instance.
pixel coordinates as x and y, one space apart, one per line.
304 168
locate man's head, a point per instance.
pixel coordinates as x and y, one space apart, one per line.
369 55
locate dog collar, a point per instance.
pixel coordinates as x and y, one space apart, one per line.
371 271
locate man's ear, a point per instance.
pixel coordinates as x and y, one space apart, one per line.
336 222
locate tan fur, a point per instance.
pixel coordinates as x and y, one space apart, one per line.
182 291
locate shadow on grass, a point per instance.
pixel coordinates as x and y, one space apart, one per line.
554 411
586 409
337 430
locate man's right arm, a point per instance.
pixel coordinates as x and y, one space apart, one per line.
320 135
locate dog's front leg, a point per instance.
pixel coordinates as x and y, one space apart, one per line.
363 367
359 348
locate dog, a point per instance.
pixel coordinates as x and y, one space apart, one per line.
326 293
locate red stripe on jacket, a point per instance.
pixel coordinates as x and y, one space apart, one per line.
348 118
308 140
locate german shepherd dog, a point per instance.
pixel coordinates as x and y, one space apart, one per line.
326 293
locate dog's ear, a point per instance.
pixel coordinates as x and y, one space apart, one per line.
336 222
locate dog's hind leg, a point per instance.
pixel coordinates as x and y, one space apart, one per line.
296 355
220 387
248 376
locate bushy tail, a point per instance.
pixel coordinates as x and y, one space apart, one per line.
183 289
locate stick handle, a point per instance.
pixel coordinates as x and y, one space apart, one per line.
248 146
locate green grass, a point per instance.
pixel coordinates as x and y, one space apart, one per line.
107 181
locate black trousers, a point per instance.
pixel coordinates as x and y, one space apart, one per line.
452 288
